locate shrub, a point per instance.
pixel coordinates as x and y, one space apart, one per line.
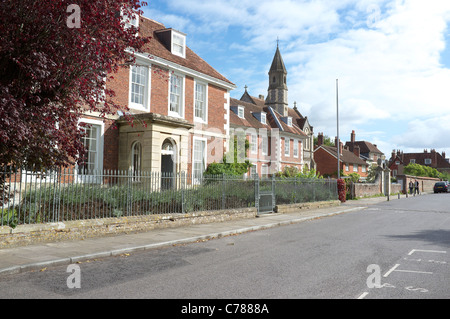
342 189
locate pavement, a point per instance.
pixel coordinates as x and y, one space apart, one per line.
39 256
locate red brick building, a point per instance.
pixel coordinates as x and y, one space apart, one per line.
326 158
367 151
432 159
180 105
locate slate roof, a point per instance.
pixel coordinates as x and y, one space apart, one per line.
278 63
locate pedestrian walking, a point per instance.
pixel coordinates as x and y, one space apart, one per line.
411 186
416 190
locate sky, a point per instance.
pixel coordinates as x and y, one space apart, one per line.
389 59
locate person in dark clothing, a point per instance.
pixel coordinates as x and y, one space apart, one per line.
416 187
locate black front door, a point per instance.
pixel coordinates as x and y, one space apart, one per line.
167 175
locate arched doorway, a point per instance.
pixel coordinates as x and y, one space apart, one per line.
168 164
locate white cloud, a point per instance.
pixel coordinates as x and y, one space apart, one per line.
434 132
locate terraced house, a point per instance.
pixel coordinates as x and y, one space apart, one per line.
180 106
279 135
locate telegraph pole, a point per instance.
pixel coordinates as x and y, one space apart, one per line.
337 124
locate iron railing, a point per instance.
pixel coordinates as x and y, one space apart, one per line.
28 197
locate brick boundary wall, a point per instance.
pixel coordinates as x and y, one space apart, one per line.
426 184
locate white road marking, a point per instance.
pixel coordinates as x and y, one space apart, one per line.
402 270
415 271
363 295
427 251
391 270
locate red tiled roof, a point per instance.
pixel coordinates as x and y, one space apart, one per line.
365 147
274 119
156 48
346 156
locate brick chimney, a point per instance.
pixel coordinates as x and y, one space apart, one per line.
352 137
357 150
320 139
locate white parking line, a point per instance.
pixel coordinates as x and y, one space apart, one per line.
415 271
402 270
363 295
427 251
391 270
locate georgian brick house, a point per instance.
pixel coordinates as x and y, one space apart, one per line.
279 136
326 158
431 158
367 151
180 106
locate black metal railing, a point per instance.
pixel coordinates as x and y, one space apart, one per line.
28 197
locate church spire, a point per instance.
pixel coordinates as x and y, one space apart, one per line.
278 63
277 96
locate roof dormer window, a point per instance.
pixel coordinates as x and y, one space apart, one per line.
260 116
178 43
241 112
263 118
287 120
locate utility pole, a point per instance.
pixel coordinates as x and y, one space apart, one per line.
338 146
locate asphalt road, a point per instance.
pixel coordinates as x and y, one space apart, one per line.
396 249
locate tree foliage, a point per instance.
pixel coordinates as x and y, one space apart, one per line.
232 164
327 141
51 73
294 172
425 171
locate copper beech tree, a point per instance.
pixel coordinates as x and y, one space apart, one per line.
55 58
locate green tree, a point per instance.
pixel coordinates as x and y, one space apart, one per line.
371 173
235 167
294 172
327 141
422 170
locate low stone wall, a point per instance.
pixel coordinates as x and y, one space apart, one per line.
396 188
371 189
426 184
24 235
365 190
292 208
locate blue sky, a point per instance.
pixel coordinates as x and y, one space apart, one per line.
392 59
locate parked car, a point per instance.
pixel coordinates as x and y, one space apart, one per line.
441 187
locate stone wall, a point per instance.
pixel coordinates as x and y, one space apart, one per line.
426 184
365 190
291 208
24 235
